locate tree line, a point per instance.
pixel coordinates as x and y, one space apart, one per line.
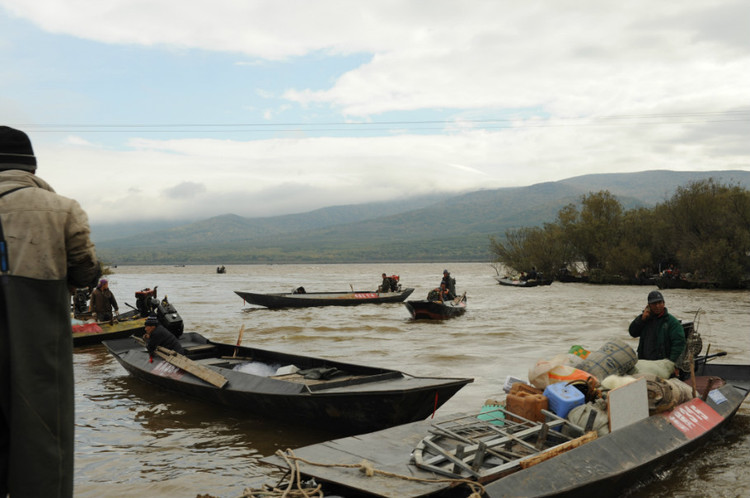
703 231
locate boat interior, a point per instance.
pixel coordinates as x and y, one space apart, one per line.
317 378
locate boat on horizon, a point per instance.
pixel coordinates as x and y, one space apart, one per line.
516 282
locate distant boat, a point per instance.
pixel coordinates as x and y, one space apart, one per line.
515 282
341 397
302 299
684 283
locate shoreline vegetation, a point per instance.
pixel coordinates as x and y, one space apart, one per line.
571 231
699 238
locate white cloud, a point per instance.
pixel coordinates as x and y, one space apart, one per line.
574 86
185 190
269 177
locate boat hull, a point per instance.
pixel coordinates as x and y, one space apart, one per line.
607 465
511 282
311 299
621 458
94 333
680 283
435 310
368 399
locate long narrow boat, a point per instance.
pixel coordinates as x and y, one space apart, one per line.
506 458
307 299
683 283
514 282
436 310
343 398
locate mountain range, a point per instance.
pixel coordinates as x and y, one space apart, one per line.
429 228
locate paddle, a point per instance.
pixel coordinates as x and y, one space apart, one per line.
239 340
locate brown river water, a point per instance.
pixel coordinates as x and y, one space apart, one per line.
132 439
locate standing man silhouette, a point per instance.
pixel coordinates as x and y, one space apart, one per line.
45 253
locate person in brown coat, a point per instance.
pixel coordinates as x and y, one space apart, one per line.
103 302
45 253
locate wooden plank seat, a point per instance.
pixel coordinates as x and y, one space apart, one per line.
198 351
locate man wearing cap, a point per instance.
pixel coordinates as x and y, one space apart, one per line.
157 335
45 253
450 282
103 302
661 334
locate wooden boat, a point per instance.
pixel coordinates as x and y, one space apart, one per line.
617 461
515 282
131 323
521 458
339 397
436 310
307 299
684 283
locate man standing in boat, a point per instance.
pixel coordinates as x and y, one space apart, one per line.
660 334
450 282
103 302
45 254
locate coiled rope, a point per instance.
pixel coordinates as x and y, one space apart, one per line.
295 481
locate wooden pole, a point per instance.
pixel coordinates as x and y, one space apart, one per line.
557 450
185 363
239 340
692 374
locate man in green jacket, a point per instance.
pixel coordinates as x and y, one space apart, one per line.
661 334
45 252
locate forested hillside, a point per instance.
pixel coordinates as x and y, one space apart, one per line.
429 229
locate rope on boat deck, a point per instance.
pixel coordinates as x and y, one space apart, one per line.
292 461
295 480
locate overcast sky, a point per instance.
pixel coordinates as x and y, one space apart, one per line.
186 109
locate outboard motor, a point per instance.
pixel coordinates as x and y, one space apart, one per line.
168 316
81 300
145 301
395 283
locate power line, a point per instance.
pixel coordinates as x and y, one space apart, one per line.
412 125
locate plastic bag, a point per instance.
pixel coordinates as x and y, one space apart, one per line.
661 368
558 369
681 391
580 417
